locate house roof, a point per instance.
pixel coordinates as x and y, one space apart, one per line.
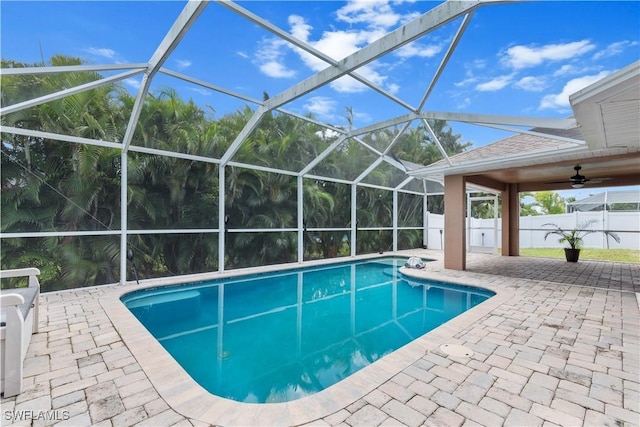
607 197
557 139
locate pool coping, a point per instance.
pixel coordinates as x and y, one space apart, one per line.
191 400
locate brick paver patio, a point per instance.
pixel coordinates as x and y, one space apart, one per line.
563 349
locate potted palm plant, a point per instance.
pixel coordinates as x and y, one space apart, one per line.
575 236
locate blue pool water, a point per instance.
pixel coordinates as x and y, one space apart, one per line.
278 337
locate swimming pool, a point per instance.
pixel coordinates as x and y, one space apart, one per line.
281 336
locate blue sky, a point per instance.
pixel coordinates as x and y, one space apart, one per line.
516 59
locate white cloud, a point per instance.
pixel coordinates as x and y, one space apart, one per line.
531 84
420 50
183 63
337 45
464 103
242 54
466 82
495 84
560 101
322 107
393 88
614 49
368 20
348 84
477 64
519 57
361 117
104 52
566 70
276 69
299 27
374 14
270 59
201 91
132 83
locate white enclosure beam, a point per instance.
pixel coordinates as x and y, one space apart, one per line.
383 124
176 231
395 221
436 141
427 22
187 17
70 69
329 179
210 86
237 95
403 35
445 59
354 219
263 168
302 226
368 170
135 112
425 216
383 154
541 134
222 226
67 92
309 49
542 122
124 208
174 154
99 143
58 137
368 147
244 133
59 234
180 27
320 157
403 183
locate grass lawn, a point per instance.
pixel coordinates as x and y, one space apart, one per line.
620 255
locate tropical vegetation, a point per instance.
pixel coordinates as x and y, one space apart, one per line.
73 189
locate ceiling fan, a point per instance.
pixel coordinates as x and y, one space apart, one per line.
577 180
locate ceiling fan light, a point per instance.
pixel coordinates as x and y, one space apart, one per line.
577 185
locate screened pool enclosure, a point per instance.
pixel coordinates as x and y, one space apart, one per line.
110 165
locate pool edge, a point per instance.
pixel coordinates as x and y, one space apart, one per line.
191 400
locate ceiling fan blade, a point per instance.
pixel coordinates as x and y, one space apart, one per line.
598 180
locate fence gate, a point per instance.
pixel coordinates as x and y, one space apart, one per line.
480 238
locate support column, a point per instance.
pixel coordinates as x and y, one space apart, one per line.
511 221
302 226
124 182
222 226
454 222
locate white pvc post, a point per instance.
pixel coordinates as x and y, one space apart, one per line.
124 181
221 213
300 219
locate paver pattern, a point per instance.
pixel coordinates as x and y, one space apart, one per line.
565 350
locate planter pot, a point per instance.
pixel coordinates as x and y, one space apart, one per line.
572 255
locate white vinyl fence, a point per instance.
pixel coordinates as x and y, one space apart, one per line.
484 235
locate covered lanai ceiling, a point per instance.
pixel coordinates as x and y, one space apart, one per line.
604 114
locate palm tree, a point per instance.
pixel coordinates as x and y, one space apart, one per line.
56 186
